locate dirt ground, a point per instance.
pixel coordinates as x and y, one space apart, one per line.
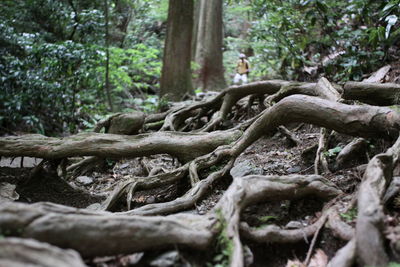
271 155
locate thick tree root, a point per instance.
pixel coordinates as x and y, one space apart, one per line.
365 121
323 89
185 146
367 246
339 228
220 106
27 252
119 233
352 120
385 94
100 234
345 257
252 189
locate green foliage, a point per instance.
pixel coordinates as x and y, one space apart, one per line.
350 215
299 39
267 218
52 64
224 245
133 68
333 151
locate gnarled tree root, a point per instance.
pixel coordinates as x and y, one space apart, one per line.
100 233
385 94
367 246
323 89
28 252
94 233
185 146
221 105
135 183
351 150
352 120
253 189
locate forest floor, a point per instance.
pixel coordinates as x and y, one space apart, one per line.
271 173
270 155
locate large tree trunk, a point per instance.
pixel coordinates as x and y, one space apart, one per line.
176 80
209 46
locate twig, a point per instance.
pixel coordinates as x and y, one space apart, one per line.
314 240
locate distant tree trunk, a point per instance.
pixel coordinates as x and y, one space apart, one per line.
123 9
209 46
107 74
176 80
196 14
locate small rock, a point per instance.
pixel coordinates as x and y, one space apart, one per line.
244 168
7 192
167 259
294 169
84 180
294 225
123 166
127 123
150 200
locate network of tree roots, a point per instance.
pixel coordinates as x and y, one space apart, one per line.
334 201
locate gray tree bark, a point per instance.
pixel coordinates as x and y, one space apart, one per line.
176 79
209 46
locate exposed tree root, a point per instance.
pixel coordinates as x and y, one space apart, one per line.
385 94
345 257
78 229
136 183
352 120
185 146
322 89
98 233
367 247
252 189
366 121
351 151
209 157
27 252
292 139
339 227
199 188
220 106
320 158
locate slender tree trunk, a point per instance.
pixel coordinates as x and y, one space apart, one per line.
107 74
176 80
209 46
124 10
196 17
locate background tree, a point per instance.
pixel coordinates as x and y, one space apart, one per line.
176 80
209 40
